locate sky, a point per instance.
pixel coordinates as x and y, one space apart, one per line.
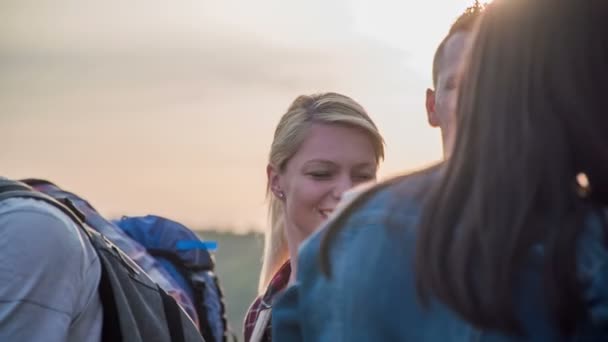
169 106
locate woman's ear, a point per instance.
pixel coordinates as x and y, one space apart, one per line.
274 185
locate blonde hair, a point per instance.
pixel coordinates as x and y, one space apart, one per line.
327 108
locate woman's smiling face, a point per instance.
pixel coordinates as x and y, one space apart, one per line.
332 159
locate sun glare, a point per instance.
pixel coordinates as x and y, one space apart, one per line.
413 26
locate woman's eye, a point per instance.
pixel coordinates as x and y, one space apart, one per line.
364 177
320 175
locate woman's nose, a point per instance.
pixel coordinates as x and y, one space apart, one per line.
343 184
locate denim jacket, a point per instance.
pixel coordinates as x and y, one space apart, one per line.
371 294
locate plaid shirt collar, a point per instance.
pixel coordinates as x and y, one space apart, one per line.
277 284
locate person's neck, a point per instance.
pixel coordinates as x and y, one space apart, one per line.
294 269
293 244
447 150
447 142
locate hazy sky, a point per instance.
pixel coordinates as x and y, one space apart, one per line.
168 107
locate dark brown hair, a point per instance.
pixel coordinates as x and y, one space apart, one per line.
532 117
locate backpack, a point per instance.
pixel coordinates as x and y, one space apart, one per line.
186 258
157 245
135 309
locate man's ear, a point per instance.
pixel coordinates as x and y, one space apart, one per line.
274 177
430 108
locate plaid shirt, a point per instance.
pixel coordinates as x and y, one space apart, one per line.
277 284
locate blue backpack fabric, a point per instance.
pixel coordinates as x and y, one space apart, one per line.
183 255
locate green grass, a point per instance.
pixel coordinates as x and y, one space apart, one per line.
238 263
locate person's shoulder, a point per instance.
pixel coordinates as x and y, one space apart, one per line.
43 234
36 215
24 208
46 269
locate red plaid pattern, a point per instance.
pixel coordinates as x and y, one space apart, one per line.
277 284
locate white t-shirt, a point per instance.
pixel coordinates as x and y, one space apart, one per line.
49 276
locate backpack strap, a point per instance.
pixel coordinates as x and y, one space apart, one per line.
197 288
111 324
261 325
172 314
9 185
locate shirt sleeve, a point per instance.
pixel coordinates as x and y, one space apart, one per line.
41 272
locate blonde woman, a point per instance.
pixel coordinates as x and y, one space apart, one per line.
324 145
